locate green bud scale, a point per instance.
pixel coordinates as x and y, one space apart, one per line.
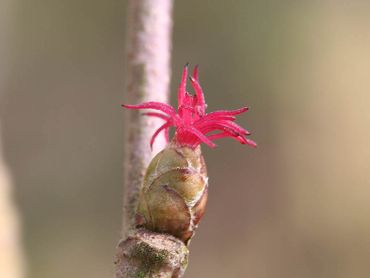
174 192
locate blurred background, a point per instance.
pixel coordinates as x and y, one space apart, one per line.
297 206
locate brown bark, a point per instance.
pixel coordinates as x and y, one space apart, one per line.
11 257
144 253
11 249
149 254
148 75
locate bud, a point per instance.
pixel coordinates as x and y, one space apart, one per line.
174 192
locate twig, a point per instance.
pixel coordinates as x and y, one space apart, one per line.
11 257
148 75
148 254
144 253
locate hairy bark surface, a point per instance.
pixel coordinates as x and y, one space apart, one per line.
142 253
11 257
149 254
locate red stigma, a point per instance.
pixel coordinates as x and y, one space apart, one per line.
193 125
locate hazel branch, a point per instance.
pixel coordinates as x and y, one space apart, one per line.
142 253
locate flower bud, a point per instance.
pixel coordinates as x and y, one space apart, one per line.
174 192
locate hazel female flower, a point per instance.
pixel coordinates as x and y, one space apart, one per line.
193 125
174 193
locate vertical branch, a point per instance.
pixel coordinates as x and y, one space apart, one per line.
143 253
148 74
11 257
12 263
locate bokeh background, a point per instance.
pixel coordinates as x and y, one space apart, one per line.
297 206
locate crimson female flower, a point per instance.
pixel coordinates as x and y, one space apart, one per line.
193 125
175 188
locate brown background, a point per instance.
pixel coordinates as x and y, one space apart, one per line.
298 206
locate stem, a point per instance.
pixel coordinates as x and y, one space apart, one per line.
12 261
143 253
147 254
11 257
148 75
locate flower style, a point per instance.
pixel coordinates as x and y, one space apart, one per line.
193 125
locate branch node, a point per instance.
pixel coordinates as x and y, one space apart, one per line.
147 254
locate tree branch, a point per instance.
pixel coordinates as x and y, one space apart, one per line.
12 261
149 254
148 75
11 257
143 253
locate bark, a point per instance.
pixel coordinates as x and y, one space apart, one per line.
142 253
11 249
149 254
11 257
148 75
